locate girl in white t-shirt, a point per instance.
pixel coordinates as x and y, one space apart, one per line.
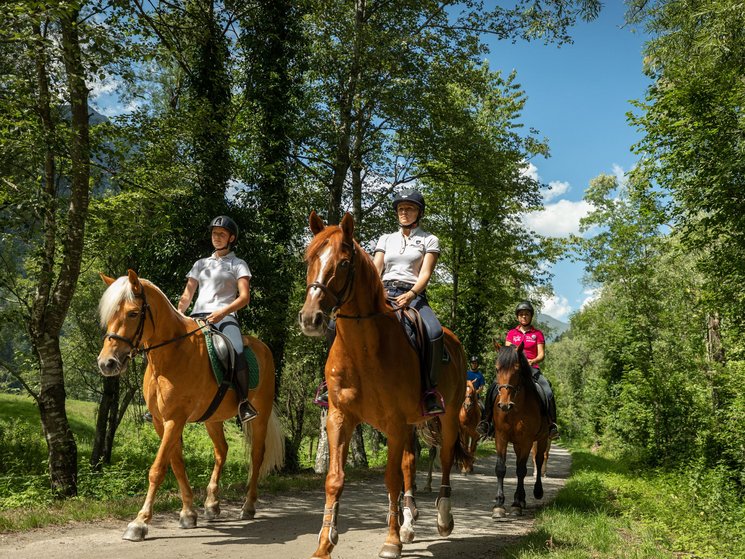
223 282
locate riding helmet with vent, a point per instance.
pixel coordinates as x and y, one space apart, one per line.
525 306
226 223
410 195
474 358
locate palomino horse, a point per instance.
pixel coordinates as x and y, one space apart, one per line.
372 374
178 388
470 417
517 419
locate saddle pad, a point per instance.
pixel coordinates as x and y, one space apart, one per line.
219 372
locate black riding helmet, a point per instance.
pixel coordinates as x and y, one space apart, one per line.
414 197
226 223
525 306
474 358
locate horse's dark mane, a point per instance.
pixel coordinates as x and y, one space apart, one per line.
506 359
333 236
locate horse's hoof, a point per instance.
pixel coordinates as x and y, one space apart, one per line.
427 489
390 551
517 511
187 520
538 493
211 513
498 513
135 532
248 514
445 531
406 533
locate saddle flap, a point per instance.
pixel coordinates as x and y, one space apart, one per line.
223 349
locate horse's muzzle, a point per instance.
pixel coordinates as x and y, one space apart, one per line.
312 323
111 366
505 406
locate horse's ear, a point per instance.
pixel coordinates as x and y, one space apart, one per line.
106 279
520 347
316 223
134 281
497 345
347 226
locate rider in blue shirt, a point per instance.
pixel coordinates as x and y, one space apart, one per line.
475 375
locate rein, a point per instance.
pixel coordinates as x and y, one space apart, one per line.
134 342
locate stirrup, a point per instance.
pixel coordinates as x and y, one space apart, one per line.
439 407
553 432
246 412
321 398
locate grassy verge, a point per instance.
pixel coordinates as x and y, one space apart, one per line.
612 510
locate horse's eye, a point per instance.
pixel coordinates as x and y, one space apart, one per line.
133 314
344 264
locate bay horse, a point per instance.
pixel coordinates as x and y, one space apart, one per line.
518 419
372 373
178 387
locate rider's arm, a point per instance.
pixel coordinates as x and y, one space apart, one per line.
540 354
241 301
379 261
187 295
428 266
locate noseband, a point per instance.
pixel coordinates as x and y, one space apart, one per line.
134 342
342 296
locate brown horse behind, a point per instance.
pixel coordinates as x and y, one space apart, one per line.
178 388
518 420
470 417
373 377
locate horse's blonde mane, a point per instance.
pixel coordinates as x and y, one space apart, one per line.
119 292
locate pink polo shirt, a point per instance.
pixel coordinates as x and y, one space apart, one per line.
532 338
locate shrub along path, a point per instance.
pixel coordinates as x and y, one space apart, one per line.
287 524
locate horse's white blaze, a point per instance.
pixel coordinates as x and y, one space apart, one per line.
324 259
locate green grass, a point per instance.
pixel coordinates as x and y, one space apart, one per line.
612 510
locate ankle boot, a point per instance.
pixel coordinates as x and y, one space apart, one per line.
246 412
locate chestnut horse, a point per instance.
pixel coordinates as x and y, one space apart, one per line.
518 419
178 387
373 377
470 417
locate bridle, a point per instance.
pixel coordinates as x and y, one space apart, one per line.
514 390
342 296
134 342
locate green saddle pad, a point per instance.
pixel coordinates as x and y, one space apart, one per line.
219 371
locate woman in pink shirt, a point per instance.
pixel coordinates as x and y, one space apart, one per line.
534 344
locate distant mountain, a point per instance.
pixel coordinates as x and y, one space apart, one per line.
552 327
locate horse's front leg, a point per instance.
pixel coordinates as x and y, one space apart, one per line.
539 455
522 453
394 479
498 511
450 443
432 457
170 435
339 429
212 501
409 512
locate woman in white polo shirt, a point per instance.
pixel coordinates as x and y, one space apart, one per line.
223 281
406 260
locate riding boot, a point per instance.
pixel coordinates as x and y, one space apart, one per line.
553 429
246 412
432 401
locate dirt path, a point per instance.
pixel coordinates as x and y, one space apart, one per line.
286 526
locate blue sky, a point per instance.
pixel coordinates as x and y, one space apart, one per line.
578 97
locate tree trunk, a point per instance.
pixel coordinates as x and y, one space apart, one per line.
322 451
714 352
357 455
107 415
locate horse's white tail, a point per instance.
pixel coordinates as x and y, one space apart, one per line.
274 445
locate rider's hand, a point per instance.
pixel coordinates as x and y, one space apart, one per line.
405 299
215 317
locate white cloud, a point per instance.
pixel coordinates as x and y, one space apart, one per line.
107 86
560 219
619 173
591 294
555 189
557 306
